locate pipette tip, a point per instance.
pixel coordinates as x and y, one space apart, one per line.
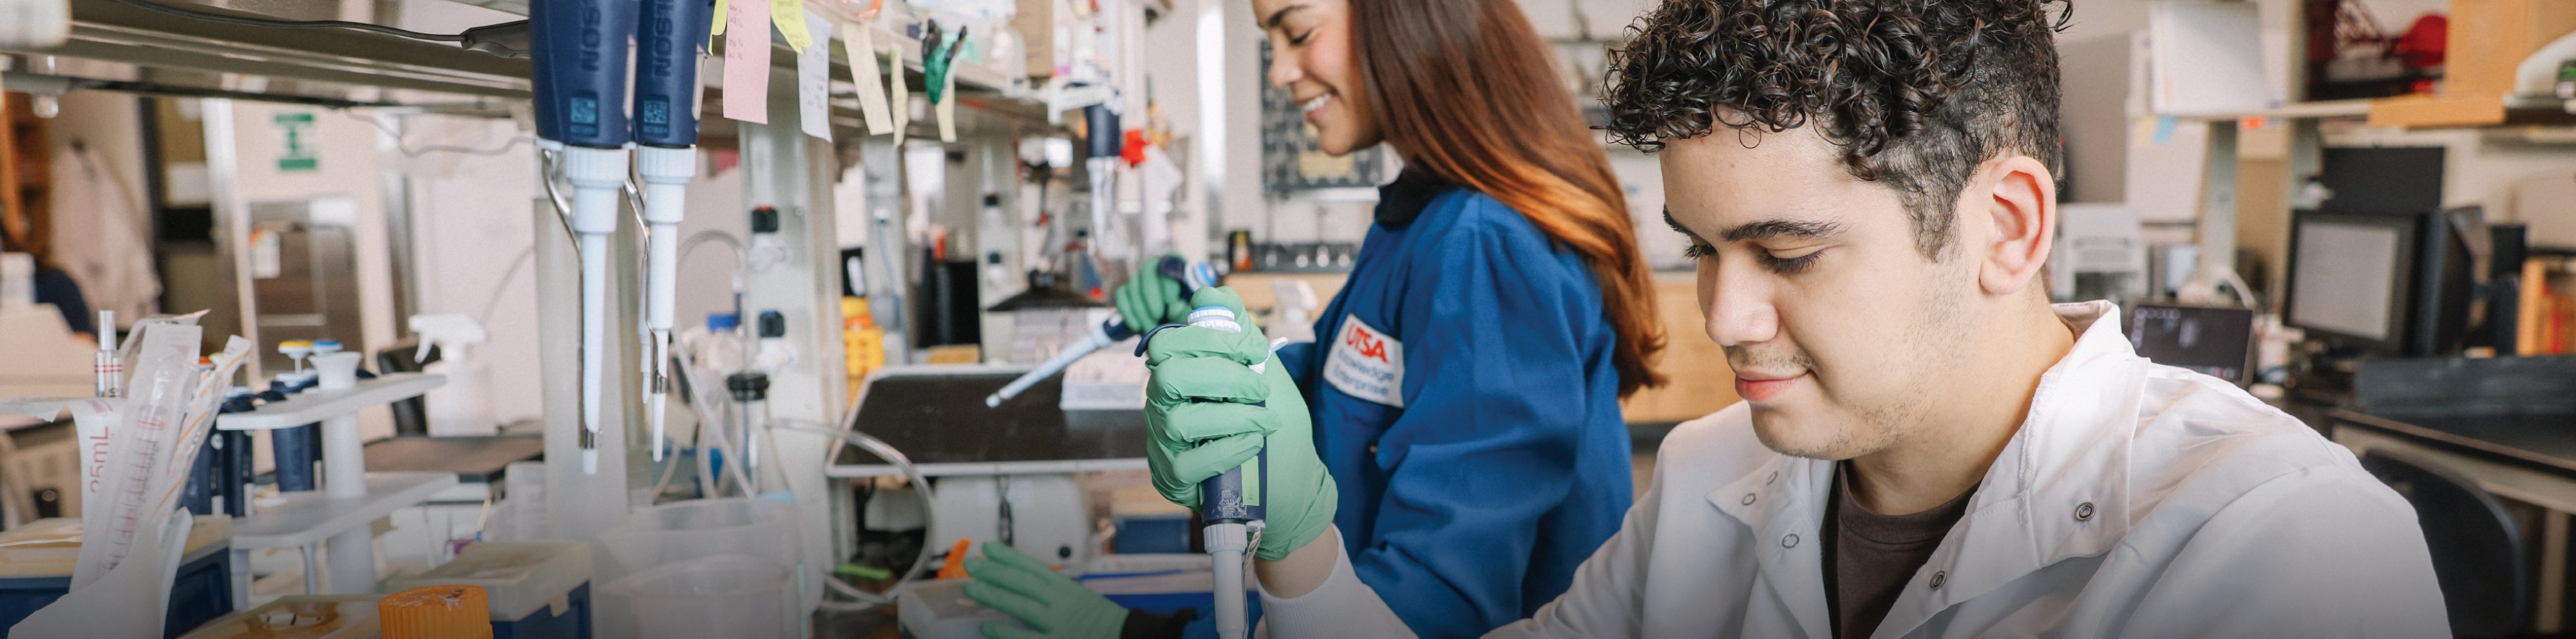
993 401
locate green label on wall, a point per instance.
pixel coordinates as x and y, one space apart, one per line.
299 153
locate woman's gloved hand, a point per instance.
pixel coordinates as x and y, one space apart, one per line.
1026 589
1151 299
1207 411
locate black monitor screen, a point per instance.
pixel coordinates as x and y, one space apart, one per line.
2213 341
2351 276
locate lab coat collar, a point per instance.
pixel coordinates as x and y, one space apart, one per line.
2058 491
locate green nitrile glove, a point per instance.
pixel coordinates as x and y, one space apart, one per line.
1201 420
1151 299
1026 589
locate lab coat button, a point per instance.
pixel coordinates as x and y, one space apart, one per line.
1939 576
1372 448
2084 511
1790 541
1748 499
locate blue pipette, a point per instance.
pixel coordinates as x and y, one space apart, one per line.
579 49
666 138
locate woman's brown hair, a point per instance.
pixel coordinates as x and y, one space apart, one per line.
1468 92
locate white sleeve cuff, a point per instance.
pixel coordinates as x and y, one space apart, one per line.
1341 608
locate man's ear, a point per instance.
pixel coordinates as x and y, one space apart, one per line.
2017 198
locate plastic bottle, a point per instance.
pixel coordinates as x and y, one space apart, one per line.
463 406
297 449
720 350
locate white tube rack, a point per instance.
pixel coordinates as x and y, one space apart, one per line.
317 404
351 499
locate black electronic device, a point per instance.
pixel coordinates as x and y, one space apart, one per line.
2396 284
2215 341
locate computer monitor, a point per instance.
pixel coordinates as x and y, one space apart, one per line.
2388 283
2215 341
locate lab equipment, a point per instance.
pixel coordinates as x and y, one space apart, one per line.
666 136
2098 255
165 379
435 612
714 596
580 52
1157 584
298 617
463 407
1192 277
2394 284
2218 342
750 417
105 605
36 564
295 449
725 530
109 369
520 582
1231 507
297 350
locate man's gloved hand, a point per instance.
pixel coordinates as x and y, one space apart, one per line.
1151 299
1202 419
1026 589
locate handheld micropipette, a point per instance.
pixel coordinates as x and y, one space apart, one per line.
580 52
1191 275
1231 506
666 137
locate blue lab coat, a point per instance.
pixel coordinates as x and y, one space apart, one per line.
1477 474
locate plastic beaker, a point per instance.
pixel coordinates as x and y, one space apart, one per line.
698 528
718 596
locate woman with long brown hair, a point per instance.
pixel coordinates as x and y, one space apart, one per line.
1464 396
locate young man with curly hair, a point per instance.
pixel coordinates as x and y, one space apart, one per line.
1928 447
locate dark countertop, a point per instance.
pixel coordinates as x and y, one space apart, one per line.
2545 441
941 419
473 459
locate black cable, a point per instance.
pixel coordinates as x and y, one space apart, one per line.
294 24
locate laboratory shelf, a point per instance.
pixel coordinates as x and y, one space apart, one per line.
317 404
309 517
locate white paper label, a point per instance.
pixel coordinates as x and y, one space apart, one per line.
814 80
1366 363
861 45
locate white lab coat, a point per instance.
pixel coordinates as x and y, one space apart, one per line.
2137 500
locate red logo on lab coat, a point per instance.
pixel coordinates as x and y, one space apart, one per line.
1366 343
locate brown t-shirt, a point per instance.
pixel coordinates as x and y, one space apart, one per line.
1870 558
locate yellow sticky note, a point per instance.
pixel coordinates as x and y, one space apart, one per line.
789 15
720 19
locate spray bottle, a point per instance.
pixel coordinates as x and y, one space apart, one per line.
580 50
666 137
462 407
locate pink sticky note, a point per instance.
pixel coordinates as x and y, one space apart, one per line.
746 67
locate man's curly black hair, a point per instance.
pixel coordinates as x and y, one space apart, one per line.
1918 93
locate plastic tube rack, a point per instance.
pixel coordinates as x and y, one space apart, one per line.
351 499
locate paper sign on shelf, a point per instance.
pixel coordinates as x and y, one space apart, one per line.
746 68
721 17
790 15
900 95
861 46
814 81
947 109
